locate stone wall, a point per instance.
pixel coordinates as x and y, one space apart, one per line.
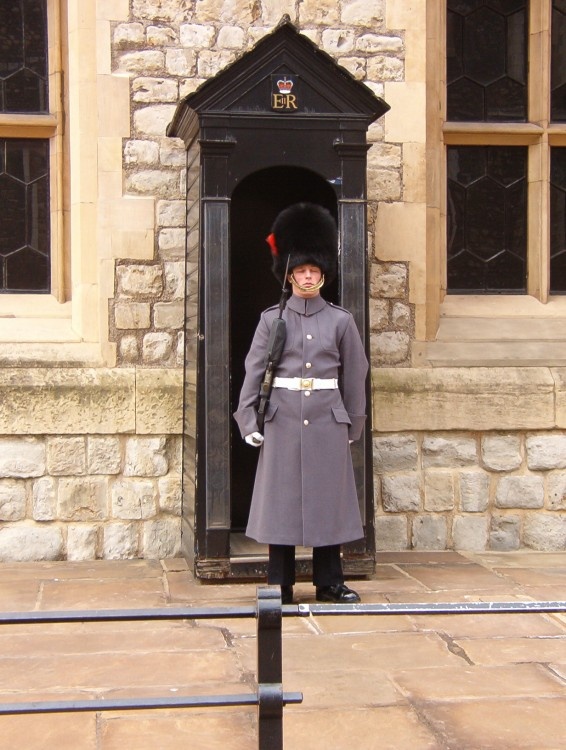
90 453
90 464
82 498
90 458
167 49
470 458
471 491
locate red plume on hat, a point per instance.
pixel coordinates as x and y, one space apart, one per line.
270 239
306 233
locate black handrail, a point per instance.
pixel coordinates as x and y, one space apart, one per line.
269 698
424 608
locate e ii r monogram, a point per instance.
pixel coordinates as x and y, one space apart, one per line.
281 97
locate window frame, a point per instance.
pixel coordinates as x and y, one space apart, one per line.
538 134
50 127
491 329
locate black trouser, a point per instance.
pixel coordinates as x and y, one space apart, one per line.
326 565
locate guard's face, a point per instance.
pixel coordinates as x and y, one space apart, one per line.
306 278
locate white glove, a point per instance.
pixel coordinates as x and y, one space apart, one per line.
255 439
350 441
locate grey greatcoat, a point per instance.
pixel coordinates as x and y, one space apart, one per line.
304 492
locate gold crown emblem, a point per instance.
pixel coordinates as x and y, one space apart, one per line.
284 86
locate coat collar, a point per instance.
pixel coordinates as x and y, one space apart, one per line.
309 306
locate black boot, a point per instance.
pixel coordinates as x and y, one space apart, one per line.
338 594
286 595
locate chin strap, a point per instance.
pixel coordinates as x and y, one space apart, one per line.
313 288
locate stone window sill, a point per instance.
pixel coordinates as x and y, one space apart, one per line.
496 331
37 331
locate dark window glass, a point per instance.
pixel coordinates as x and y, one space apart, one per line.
558 62
558 221
24 229
487 60
23 56
487 219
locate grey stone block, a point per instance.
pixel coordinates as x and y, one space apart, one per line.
430 533
401 493
505 533
520 492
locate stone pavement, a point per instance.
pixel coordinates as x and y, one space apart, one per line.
442 682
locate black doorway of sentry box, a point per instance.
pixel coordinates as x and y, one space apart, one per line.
283 123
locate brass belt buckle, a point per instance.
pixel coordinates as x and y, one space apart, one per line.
306 384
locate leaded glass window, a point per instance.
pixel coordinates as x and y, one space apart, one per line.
558 221
487 225
25 265
558 64
23 56
487 60
487 232
24 229
504 134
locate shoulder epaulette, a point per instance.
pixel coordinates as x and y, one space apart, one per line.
337 307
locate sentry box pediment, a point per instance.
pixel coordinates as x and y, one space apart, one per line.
285 75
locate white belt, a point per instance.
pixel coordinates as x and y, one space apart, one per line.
306 384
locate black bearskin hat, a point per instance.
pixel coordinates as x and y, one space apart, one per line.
307 233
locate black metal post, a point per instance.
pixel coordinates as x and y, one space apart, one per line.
269 668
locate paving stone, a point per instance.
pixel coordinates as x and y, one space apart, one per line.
457 595
213 729
497 625
343 688
371 728
94 671
357 652
418 557
538 577
180 586
527 724
371 624
501 651
108 638
45 732
382 584
455 577
477 682
95 594
434 682
559 670
520 559
559 618
97 570
544 593
176 565
223 594
16 596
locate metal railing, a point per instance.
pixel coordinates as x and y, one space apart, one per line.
269 697
434 608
